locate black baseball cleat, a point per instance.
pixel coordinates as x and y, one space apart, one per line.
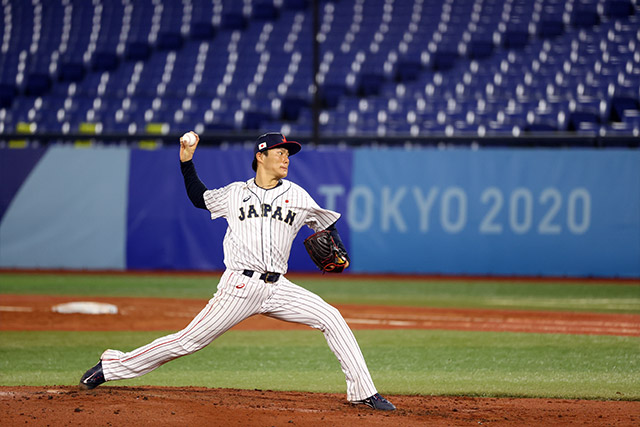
93 377
376 402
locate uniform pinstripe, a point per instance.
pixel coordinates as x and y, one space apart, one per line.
262 224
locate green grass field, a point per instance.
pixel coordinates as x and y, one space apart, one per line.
590 296
401 361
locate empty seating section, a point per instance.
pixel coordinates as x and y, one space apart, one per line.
385 67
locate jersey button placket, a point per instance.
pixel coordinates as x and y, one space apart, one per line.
266 241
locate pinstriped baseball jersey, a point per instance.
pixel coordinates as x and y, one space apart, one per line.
264 222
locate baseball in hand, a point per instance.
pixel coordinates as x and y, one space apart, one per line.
189 138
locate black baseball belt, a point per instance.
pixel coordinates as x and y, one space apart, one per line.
267 277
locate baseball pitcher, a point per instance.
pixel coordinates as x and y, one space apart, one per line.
264 215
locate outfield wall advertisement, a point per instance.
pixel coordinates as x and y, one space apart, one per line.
424 211
503 212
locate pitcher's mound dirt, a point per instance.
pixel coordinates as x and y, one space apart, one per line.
192 406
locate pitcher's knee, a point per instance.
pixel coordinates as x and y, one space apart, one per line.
189 345
332 319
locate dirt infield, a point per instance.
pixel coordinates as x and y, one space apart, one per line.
33 312
192 406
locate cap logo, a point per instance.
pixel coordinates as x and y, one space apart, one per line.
262 145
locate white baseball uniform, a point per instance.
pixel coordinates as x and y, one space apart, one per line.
262 224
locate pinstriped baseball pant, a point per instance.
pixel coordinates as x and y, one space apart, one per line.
239 297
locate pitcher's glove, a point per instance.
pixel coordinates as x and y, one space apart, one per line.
325 253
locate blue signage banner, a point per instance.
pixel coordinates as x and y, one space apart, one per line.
67 209
515 212
500 212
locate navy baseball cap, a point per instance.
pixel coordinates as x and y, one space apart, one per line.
271 140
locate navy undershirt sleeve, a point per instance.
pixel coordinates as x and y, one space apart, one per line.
336 238
195 187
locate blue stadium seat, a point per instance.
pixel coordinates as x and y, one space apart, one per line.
8 92
621 105
618 8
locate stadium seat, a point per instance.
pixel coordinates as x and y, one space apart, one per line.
8 92
620 105
618 8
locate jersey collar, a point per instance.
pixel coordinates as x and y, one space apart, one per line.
253 183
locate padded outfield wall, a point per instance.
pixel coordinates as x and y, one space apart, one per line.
472 212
